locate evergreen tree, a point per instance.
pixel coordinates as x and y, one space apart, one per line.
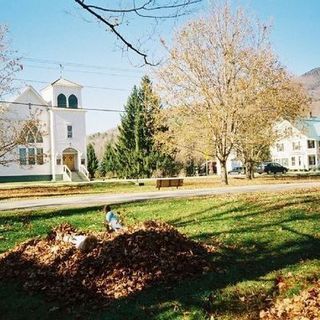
109 161
137 153
126 144
92 160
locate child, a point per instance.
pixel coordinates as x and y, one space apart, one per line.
112 220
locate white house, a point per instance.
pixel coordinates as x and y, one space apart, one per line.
299 149
56 149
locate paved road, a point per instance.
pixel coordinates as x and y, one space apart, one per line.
100 199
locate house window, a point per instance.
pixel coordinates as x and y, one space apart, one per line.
293 161
299 161
31 156
312 160
311 144
39 156
23 156
296 145
73 102
280 147
69 131
62 101
83 162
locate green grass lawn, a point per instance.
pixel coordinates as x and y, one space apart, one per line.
260 237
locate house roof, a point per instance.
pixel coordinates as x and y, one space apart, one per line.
309 127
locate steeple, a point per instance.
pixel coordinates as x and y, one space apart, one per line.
63 93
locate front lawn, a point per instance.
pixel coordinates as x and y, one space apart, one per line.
261 238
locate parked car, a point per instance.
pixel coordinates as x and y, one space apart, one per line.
237 170
259 168
274 167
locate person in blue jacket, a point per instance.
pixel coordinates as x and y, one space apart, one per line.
112 220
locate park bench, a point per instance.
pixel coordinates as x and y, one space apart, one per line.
169 182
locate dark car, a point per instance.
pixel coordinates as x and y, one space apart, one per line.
237 170
274 167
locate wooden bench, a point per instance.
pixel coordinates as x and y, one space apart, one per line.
169 182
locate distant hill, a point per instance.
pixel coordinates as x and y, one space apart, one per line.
311 81
100 139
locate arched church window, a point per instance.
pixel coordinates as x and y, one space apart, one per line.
32 134
62 101
73 102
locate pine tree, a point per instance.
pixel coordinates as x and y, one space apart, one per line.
126 144
137 154
92 160
109 163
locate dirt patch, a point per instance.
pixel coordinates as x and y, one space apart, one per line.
120 265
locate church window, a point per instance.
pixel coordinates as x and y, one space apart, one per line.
30 137
31 156
39 138
69 131
23 156
73 102
32 134
39 156
62 101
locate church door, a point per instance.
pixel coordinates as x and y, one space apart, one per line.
69 161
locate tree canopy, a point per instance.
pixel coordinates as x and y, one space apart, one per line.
224 86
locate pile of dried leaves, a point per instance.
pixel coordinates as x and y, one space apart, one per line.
305 306
120 264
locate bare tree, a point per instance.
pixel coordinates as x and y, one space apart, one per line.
223 75
11 129
9 64
117 16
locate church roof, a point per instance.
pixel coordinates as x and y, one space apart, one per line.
27 89
65 82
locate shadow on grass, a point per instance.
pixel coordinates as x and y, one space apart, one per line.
248 259
29 216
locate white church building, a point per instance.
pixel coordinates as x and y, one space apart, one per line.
55 149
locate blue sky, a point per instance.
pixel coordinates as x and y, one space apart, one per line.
58 30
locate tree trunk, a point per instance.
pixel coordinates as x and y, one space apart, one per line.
250 170
224 173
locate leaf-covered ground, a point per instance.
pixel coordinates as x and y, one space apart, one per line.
49 189
268 249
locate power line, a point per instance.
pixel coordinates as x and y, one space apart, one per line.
48 107
86 71
85 86
76 64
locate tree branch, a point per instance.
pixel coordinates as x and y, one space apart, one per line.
141 10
